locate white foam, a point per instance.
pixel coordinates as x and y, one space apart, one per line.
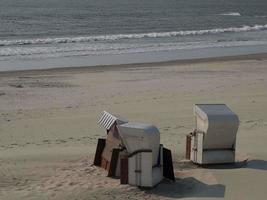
8 53
128 36
231 14
260 16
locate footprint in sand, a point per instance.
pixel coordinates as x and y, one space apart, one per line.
59 184
46 141
178 127
60 141
72 183
166 128
254 123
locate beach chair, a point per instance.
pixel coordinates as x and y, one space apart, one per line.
108 150
145 162
132 151
214 139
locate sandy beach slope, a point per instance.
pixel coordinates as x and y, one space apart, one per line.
48 127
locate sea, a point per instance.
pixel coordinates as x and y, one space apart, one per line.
37 34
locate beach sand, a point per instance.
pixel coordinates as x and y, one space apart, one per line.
49 130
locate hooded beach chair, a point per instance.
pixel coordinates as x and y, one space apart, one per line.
132 151
214 138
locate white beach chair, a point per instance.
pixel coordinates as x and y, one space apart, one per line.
132 151
142 142
214 138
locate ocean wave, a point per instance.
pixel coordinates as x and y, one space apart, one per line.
128 36
260 16
51 52
231 14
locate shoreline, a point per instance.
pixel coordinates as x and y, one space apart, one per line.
177 56
113 67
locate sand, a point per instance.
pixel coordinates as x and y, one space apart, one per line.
49 130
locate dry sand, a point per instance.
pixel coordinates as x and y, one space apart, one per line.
48 129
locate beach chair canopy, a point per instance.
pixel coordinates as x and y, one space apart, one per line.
139 136
218 123
107 120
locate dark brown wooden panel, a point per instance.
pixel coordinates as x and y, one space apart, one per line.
99 149
188 146
167 164
113 162
124 170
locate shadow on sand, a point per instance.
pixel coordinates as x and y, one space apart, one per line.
191 187
257 164
250 164
187 187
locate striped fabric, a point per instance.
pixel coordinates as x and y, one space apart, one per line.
107 120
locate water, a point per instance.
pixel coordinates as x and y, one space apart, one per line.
40 30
